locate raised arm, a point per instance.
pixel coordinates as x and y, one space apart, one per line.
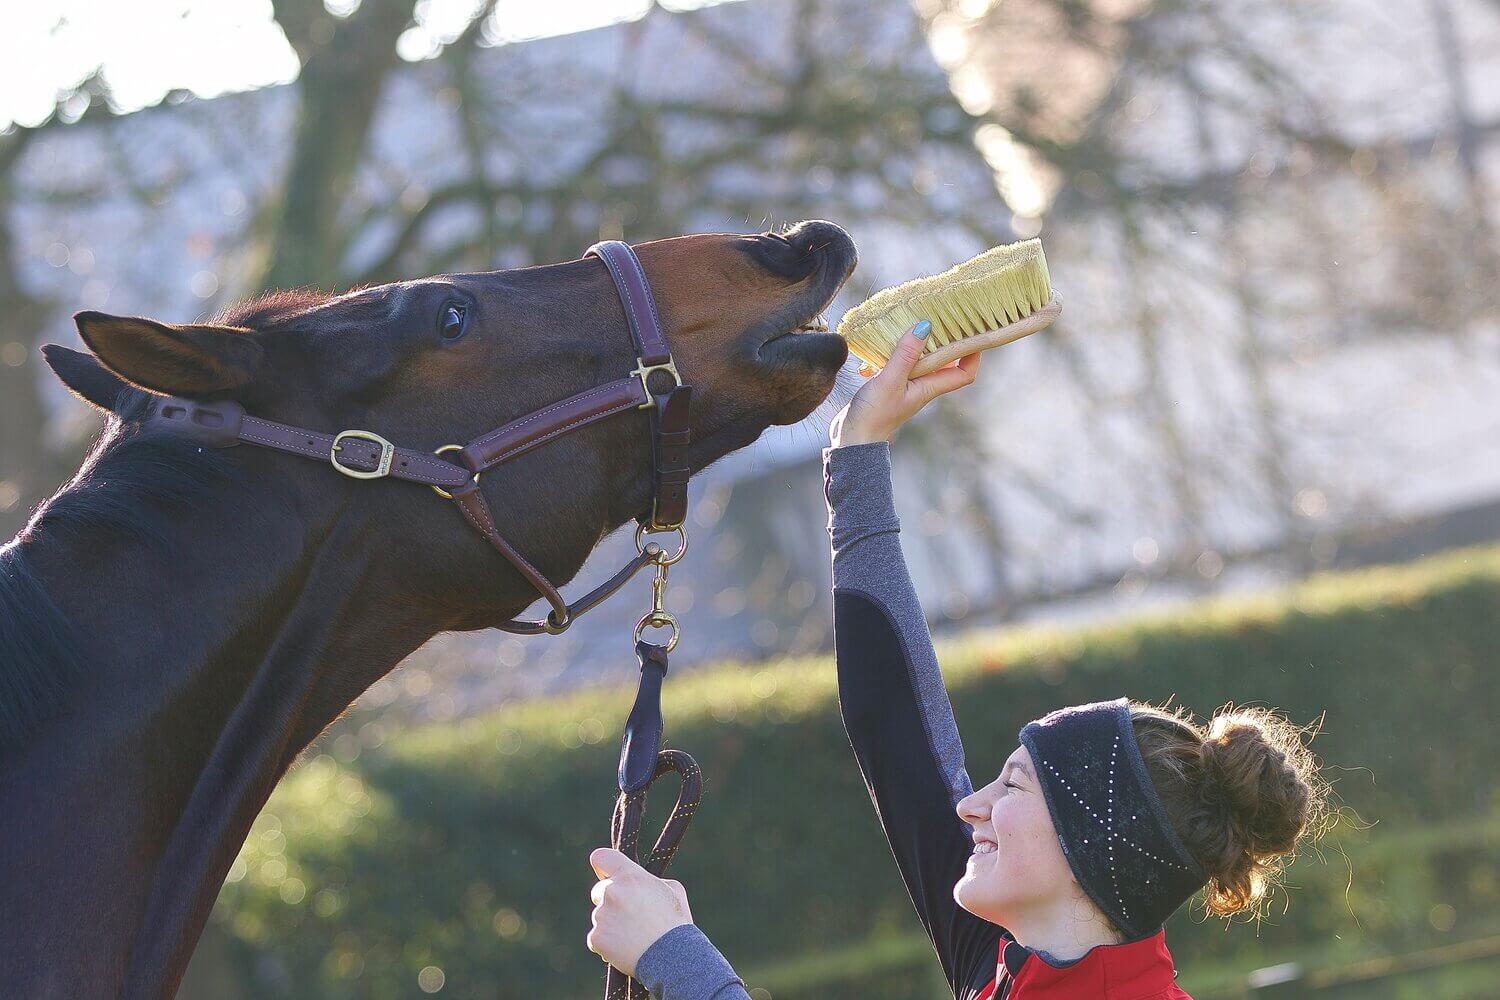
896 710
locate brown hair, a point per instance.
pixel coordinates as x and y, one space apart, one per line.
1241 792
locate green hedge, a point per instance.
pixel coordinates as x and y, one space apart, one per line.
464 847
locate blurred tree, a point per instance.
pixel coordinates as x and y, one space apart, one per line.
345 64
29 469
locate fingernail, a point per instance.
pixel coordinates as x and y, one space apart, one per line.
922 329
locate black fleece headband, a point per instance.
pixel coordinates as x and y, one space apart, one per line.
1114 832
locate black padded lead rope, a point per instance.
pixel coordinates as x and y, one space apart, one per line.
642 761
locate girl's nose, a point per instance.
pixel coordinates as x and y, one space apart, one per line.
972 808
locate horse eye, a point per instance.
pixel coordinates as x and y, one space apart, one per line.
451 325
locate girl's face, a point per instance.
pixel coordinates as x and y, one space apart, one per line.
1017 868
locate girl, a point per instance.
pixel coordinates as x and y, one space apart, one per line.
1053 880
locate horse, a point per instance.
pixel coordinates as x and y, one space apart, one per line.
180 622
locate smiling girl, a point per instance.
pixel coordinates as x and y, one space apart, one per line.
1051 881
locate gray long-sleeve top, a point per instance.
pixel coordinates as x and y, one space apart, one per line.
900 724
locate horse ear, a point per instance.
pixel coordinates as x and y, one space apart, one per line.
84 376
181 360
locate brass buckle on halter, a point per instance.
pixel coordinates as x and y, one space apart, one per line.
644 371
387 452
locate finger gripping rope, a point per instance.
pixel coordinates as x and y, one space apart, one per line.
641 763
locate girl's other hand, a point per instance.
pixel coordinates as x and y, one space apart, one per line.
632 908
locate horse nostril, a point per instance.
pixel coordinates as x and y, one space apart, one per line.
817 236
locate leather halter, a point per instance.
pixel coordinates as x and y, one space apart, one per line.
363 454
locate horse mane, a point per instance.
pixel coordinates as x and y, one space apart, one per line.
39 654
272 310
132 485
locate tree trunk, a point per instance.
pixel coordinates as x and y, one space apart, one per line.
339 90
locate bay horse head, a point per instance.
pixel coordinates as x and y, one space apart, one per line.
222 607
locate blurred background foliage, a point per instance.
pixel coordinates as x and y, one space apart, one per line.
1273 222
463 848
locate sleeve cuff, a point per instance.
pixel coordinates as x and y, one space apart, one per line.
857 486
683 964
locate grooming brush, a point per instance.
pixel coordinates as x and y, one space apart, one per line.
996 298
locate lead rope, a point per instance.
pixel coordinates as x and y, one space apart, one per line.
642 760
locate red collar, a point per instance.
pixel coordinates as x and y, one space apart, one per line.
1136 970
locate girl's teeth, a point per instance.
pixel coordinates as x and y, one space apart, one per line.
984 848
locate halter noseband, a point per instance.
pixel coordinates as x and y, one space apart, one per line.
363 454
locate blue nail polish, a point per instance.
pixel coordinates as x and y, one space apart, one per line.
922 329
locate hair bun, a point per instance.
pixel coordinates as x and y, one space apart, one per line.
1253 771
1241 793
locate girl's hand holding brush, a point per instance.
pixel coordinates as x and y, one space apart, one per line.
892 397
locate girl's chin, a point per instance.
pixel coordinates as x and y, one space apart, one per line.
966 889
959 894
969 892
968 899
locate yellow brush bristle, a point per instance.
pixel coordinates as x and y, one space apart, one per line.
994 290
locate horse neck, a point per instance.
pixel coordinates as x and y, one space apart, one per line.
136 799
